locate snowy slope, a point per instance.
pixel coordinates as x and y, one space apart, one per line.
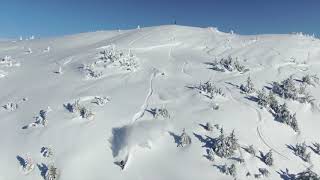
169 59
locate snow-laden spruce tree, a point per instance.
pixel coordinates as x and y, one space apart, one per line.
248 87
184 139
268 158
273 103
225 146
10 106
262 98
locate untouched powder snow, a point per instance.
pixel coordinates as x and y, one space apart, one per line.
92 100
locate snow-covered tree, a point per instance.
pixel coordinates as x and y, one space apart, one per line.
300 150
86 113
248 87
262 98
52 173
46 152
273 103
316 148
268 158
184 139
210 154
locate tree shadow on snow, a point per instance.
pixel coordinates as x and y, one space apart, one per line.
285 175
232 84
175 137
22 162
43 170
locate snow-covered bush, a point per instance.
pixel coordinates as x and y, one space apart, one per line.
210 154
77 108
73 107
209 126
209 90
300 150
228 64
268 158
310 79
52 173
184 139
162 112
10 106
264 172
117 58
251 150
46 152
232 171
248 87
100 100
225 146
91 72
86 113
307 175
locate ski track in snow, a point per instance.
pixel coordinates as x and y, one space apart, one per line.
145 105
259 134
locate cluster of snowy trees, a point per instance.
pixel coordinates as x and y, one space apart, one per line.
100 101
228 64
91 72
48 172
118 58
307 174
279 111
79 109
300 150
289 89
225 146
209 90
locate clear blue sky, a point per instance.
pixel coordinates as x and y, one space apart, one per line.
58 17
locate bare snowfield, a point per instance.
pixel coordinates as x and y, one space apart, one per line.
100 95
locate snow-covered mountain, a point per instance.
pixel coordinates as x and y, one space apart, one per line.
91 103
